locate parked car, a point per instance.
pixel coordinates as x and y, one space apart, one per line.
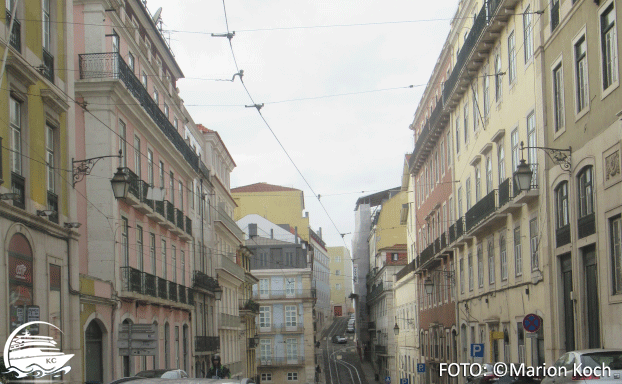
350 329
339 339
197 381
485 377
163 374
610 358
125 379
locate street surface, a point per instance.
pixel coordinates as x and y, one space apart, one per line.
341 362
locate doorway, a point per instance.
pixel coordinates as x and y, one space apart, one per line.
94 354
591 297
568 312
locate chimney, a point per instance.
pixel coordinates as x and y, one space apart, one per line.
307 214
252 230
296 234
272 233
320 233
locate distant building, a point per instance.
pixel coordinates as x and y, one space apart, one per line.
321 280
340 280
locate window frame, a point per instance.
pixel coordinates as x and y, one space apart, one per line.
557 88
606 88
511 58
527 34
585 201
518 252
615 243
581 76
16 135
562 209
50 157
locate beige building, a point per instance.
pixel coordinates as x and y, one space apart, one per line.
340 280
581 74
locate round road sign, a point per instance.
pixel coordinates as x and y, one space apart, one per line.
532 323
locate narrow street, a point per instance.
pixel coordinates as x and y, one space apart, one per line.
341 363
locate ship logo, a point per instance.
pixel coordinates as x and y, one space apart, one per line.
34 356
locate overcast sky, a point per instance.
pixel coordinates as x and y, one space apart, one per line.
343 145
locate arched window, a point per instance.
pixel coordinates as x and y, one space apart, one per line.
94 353
561 205
586 222
167 346
21 275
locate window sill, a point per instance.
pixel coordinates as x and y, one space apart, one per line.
606 92
583 112
560 132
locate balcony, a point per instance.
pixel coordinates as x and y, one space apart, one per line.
206 343
280 361
132 279
179 219
284 328
150 282
371 326
223 218
532 193
480 211
229 266
158 214
137 284
101 66
586 225
18 185
16 34
562 236
134 195
169 214
375 292
181 294
279 294
190 296
410 267
380 349
203 281
188 226
227 320
48 66
172 291
162 288
505 197
248 305
426 255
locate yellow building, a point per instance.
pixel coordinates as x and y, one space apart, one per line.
37 207
340 280
280 205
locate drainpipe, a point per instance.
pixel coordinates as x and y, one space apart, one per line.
8 42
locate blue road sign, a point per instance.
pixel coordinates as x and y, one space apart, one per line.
477 350
387 380
420 367
532 323
404 381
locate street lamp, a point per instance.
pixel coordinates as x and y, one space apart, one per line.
218 293
120 184
396 329
428 285
256 339
522 176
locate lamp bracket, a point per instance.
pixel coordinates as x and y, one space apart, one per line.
561 157
82 168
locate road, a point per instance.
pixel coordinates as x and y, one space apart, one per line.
341 362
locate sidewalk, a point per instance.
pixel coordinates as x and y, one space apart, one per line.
368 371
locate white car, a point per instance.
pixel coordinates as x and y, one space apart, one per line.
197 381
609 358
163 373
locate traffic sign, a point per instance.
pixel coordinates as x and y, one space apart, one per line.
403 380
387 380
477 350
138 344
420 367
532 323
138 340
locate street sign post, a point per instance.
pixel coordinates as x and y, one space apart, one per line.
532 323
387 380
138 340
477 350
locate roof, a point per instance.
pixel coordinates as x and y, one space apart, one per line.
263 187
204 129
377 198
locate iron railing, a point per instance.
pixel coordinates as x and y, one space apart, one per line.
132 279
48 66
460 227
179 215
203 281
286 294
443 240
375 292
586 225
251 343
504 192
426 254
382 349
181 293
53 206
172 291
371 325
169 209
481 210
188 226
150 282
159 207
279 361
190 296
144 188
111 65
206 343
134 182
406 269
437 245
562 236
452 233
18 185
162 288
16 34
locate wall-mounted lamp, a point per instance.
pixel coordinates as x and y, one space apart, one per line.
428 284
120 184
217 293
9 196
72 225
45 212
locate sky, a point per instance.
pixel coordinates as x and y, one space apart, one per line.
345 146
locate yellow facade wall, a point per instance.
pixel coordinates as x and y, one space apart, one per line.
389 232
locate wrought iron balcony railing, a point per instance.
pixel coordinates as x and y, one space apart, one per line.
286 294
172 291
150 283
481 210
280 361
562 236
48 65
188 226
459 227
132 279
179 219
381 349
159 207
16 34
504 192
206 343
203 281
162 288
18 185
181 293
169 209
190 296
111 66
586 225
426 254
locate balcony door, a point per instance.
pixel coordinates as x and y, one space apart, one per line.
591 297
568 304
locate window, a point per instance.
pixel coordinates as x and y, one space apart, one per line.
166 111
501 160
531 141
125 246
264 287
290 286
511 58
461 275
478 183
515 150
498 79
152 252
156 96
180 189
616 253
533 243
131 61
459 202
527 32
457 134
290 316
561 209
580 56
266 377
468 193
49 157
586 193
47 32
139 247
265 348
395 256
263 259
123 143
16 136
150 167
480 265
466 120
174 262
491 261
137 156
486 81
183 267
554 14
503 256
171 186
292 376
470 261
518 258
161 174
608 47
558 97
164 261
264 317
55 302
143 79
476 111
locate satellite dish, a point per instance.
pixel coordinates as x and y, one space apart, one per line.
156 16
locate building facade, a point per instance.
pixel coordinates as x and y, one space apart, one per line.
38 217
340 280
282 264
321 281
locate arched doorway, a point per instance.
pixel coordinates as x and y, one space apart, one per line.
127 369
94 354
21 278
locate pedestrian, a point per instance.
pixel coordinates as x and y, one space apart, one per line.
218 371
